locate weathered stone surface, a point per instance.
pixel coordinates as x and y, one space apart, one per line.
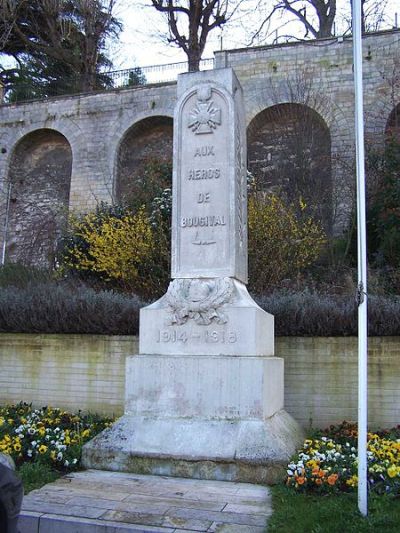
40 179
142 508
207 316
147 144
209 222
204 399
203 387
231 450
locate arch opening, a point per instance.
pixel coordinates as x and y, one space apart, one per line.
289 153
40 180
144 161
392 130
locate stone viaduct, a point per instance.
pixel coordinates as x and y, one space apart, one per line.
69 153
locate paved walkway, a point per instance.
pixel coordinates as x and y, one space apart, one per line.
96 501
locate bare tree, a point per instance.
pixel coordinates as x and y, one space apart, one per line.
373 15
316 16
319 18
191 21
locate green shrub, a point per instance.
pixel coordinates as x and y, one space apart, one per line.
383 206
56 307
312 314
283 241
18 275
35 475
124 249
66 307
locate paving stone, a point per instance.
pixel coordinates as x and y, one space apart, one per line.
29 522
234 528
149 519
186 523
222 497
229 518
247 508
108 502
145 505
54 523
177 502
57 508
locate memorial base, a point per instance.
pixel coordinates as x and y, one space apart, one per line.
206 417
251 451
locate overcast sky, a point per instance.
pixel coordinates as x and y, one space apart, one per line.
140 43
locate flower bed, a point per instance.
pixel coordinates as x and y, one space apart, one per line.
328 462
47 435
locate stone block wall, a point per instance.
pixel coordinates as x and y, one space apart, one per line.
88 372
108 134
318 75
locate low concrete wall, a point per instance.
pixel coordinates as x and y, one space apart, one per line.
88 372
70 371
321 384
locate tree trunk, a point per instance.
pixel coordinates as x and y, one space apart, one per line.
194 58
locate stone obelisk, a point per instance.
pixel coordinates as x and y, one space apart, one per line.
204 397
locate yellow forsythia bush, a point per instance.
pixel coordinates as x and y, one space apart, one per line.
283 240
110 246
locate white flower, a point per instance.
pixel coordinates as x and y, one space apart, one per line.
66 463
34 443
74 461
29 453
289 472
59 456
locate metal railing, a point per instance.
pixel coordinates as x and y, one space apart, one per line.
156 73
117 79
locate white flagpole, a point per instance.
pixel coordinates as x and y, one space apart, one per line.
362 265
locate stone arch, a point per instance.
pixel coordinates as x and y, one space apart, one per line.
289 151
392 129
39 187
144 160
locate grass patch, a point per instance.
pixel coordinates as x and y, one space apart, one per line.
331 513
35 475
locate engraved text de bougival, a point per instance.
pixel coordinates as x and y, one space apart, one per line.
204 174
194 222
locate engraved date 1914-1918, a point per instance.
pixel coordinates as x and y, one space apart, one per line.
207 336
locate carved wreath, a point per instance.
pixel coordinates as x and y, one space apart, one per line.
199 300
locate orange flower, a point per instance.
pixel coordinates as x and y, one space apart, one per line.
332 479
321 473
300 480
315 471
318 481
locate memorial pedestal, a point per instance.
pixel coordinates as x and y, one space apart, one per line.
205 396
206 414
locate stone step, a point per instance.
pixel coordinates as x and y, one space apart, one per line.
98 501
